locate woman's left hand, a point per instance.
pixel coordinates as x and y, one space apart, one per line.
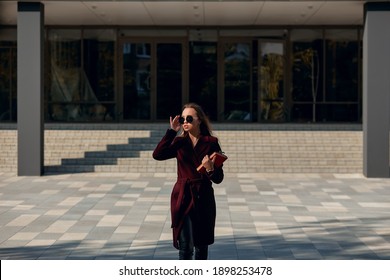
208 163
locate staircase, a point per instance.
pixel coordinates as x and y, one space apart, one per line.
251 148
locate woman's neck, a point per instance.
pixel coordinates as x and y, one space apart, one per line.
194 137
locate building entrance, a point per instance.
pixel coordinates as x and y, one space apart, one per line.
151 78
233 80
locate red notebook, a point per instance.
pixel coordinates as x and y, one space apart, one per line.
219 159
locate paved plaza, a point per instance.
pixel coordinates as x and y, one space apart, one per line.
259 216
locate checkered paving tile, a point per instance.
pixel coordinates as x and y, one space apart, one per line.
259 216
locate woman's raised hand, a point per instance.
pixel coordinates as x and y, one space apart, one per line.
175 125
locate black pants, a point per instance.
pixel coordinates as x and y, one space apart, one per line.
186 243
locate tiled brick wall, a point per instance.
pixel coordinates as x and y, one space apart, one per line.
252 148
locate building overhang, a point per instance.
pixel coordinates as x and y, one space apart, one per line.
218 13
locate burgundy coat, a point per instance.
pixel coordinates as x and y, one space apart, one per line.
192 193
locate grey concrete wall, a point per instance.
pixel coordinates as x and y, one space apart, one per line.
376 90
30 62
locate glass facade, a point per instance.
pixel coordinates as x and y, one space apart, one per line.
267 75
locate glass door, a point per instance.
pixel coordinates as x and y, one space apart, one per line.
169 79
203 76
136 80
271 55
236 84
151 79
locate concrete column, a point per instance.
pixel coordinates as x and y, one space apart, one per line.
30 62
376 90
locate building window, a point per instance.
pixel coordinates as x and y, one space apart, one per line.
136 65
169 79
81 76
325 77
99 65
203 77
341 83
237 81
271 80
307 74
8 72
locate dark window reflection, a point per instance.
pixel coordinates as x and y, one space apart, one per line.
237 59
99 68
337 113
80 77
341 70
307 71
8 82
203 76
136 81
325 76
271 78
169 80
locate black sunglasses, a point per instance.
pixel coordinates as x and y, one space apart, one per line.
189 119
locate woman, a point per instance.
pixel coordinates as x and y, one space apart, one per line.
193 207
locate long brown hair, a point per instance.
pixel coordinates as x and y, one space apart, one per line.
205 126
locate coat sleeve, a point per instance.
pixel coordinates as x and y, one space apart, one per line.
217 176
165 148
